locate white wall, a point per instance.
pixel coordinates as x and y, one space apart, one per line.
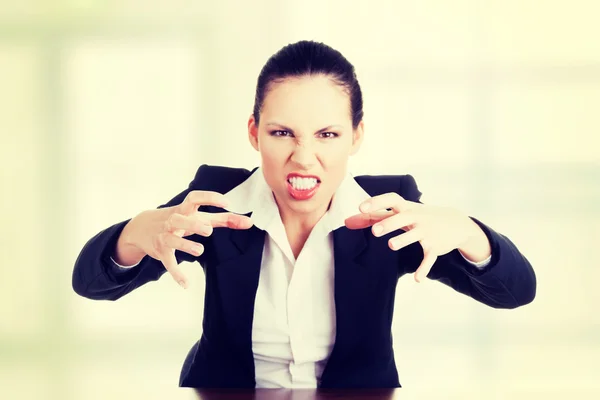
108 109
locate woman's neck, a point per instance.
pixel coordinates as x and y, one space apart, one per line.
301 222
299 226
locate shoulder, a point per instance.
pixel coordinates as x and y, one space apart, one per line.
219 178
404 185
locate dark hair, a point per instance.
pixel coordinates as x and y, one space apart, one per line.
310 58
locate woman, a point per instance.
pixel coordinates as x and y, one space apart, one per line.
300 287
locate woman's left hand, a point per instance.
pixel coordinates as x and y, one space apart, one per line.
439 230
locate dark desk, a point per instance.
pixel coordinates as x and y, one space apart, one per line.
297 394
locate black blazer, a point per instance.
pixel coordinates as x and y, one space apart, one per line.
366 274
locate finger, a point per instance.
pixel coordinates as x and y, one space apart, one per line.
429 259
197 198
402 220
360 221
183 225
170 263
228 220
384 201
404 239
171 241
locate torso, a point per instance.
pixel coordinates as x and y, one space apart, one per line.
294 326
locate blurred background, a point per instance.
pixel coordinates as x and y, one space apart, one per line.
107 108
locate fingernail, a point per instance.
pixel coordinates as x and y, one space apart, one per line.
366 206
377 229
182 284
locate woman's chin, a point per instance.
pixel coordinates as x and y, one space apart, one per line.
301 205
307 206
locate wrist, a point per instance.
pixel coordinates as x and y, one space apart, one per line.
477 247
126 251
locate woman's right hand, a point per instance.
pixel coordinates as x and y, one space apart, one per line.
158 233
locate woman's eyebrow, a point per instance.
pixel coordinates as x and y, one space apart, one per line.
327 128
275 124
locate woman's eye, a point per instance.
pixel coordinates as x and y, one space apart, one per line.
329 135
280 133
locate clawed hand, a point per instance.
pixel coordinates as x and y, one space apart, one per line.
439 230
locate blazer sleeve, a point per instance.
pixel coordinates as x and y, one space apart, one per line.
508 281
96 276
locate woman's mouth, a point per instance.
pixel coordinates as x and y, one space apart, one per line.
302 188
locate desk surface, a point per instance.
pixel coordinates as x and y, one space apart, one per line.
297 394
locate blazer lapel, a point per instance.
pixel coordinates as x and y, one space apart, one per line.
354 285
237 278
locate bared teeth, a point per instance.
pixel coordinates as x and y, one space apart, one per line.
302 183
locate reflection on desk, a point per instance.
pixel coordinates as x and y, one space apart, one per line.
297 394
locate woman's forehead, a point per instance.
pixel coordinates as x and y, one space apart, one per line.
307 99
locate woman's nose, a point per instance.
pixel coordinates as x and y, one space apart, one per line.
304 156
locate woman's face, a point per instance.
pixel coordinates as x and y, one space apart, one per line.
305 138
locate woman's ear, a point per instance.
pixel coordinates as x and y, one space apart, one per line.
357 138
253 132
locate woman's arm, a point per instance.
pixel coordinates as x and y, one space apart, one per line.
158 234
508 281
96 276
